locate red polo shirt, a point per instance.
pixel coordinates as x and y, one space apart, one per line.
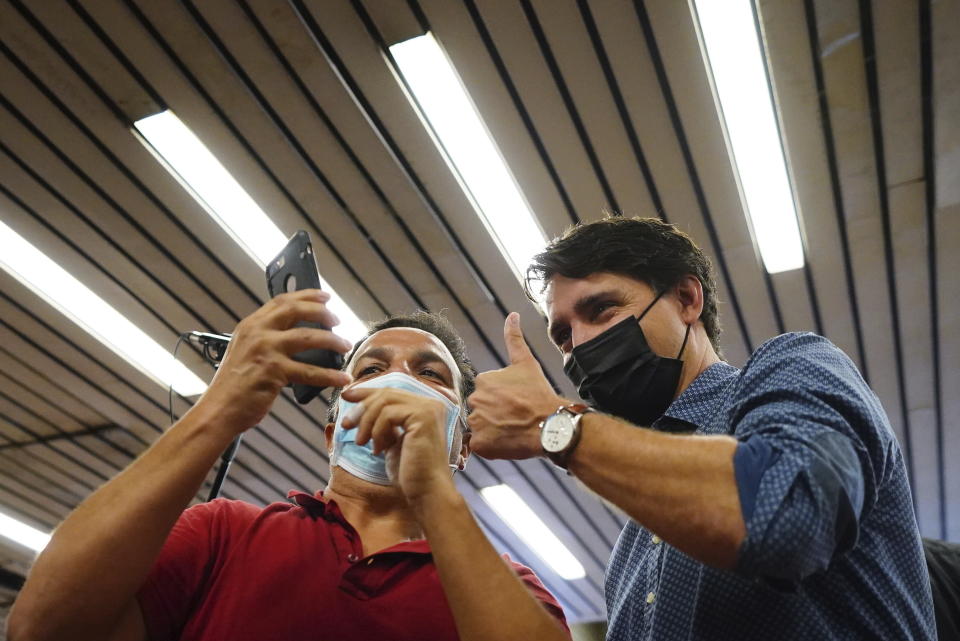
231 570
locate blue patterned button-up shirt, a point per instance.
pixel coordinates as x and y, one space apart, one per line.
832 548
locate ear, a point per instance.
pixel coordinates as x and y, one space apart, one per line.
690 296
328 434
464 451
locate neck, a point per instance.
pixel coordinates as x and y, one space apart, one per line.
701 357
378 513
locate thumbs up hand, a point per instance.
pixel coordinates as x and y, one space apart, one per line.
509 403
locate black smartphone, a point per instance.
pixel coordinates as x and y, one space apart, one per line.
293 269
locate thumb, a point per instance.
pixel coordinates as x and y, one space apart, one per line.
517 348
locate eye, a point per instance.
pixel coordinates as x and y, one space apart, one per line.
369 369
426 371
599 308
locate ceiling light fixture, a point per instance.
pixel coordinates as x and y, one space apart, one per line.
221 196
77 302
21 533
515 512
732 44
444 106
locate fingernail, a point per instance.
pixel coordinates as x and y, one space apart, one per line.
514 319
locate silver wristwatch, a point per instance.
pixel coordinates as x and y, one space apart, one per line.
560 432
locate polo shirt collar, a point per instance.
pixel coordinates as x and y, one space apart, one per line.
330 511
698 402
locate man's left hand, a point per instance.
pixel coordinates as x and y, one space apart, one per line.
411 429
509 403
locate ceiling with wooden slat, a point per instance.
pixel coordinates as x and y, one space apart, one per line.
596 105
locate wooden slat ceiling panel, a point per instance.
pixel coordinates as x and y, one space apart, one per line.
510 32
592 101
594 104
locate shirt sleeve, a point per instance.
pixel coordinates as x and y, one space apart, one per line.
813 446
539 591
180 575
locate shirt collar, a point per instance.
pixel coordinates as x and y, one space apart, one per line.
315 502
698 402
330 511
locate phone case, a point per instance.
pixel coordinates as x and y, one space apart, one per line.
293 269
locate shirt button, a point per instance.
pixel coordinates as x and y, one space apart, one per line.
352 557
655 539
650 597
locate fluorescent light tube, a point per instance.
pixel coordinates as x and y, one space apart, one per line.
514 511
78 303
733 51
22 533
459 132
222 197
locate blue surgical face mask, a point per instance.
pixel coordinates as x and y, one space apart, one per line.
360 460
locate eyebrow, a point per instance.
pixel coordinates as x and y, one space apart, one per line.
420 357
424 356
376 353
584 304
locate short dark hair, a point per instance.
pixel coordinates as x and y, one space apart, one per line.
647 249
432 323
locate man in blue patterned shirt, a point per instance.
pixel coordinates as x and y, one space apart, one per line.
769 502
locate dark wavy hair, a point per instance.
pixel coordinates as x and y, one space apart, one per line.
647 249
432 323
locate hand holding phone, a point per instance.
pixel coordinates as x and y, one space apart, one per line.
295 269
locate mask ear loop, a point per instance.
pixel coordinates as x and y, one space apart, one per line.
684 344
647 309
652 303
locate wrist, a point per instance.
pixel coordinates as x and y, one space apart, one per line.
210 420
435 501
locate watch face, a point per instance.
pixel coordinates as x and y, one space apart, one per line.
557 432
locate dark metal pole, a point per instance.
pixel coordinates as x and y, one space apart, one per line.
225 459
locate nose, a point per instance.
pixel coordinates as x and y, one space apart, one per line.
581 333
400 365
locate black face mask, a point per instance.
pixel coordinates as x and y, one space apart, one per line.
618 373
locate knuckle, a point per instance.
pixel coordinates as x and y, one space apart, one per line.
478 442
302 335
278 301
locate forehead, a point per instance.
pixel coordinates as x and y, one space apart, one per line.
562 293
407 340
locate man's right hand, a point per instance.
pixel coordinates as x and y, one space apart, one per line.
259 363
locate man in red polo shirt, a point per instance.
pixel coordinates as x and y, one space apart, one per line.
388 551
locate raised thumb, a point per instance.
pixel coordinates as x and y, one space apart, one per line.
517 348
